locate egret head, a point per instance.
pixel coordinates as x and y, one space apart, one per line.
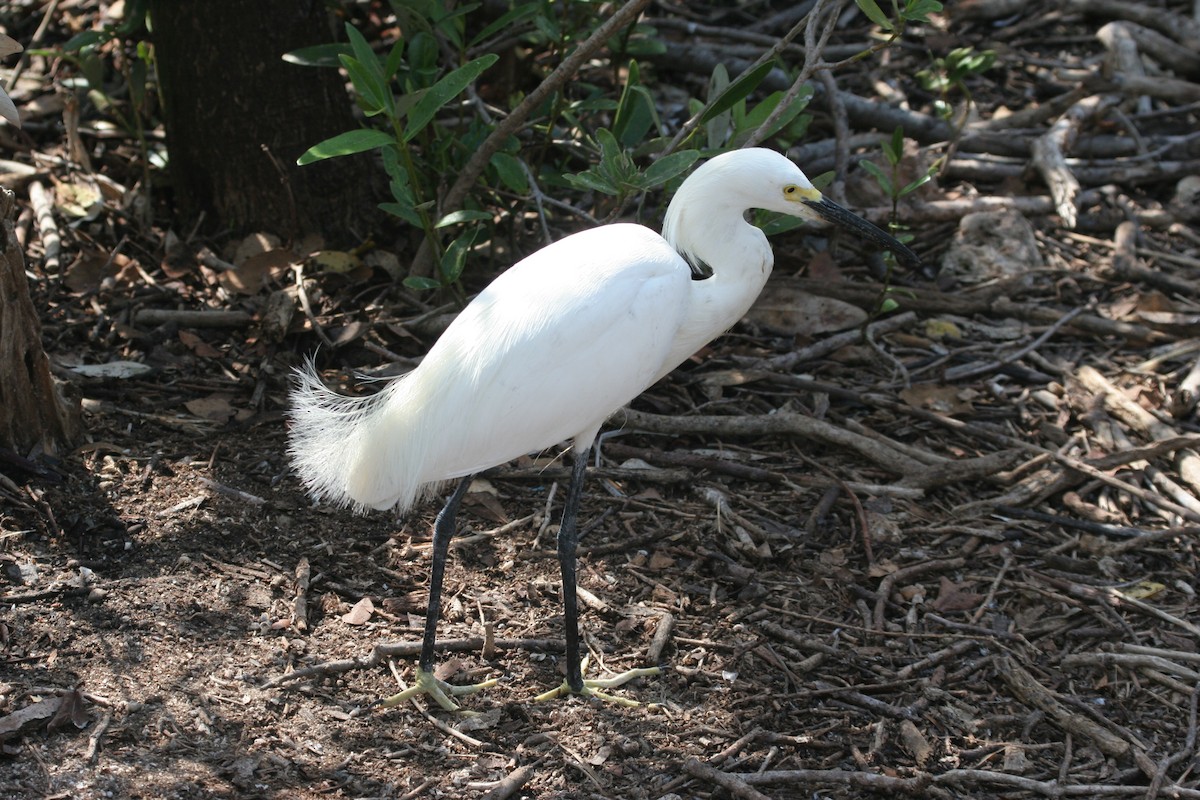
761 178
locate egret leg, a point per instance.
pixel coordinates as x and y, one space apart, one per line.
568 540
426 683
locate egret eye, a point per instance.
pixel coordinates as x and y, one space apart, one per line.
789 190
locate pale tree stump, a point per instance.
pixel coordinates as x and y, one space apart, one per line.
33 412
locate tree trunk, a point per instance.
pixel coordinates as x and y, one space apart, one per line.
238 117
32 411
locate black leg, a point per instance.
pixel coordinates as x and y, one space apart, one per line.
443 531
568 538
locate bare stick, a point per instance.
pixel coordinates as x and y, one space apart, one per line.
512 784
1049 153
1029 691
300 602
726 780
43 209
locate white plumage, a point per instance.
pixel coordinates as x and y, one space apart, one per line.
553 346
544 354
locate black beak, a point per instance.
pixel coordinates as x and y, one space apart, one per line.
833 213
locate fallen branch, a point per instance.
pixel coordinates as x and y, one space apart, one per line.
1049 153
781 424
1026 688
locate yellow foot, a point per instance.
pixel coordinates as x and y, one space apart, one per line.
591 688
439 690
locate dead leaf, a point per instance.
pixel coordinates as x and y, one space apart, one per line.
879 569
89 268
197 345
29 717
486 505
79 197
256 272
253 245
942 399
833 557
336 261
277 317
215 407
942 329
361 613
915 742
447 669
70 711
388 262
1144 590
956 597
787 309
660 560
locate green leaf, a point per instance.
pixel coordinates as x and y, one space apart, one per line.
443 92
87 39
319 55
739 89
345 144
917 184
888 305
455 257
924 179
919 10
420 283
610 149
893 149
635 110
518 14
882 178
363 53
764 109
137 84
590 180
403 211
508 167
781 223
372 90
822 181
465 215
668 167
717 128
423 54
875 14
394 60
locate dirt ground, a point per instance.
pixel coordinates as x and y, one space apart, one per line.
955 559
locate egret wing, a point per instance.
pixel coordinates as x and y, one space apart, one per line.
553 346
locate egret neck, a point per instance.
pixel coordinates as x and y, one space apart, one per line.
708 227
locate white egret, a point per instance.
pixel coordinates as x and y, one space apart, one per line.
547 352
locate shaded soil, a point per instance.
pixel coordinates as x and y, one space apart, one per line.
838 621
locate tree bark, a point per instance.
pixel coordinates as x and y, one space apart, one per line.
238 116
32 411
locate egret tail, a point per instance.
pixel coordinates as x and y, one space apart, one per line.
338 450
